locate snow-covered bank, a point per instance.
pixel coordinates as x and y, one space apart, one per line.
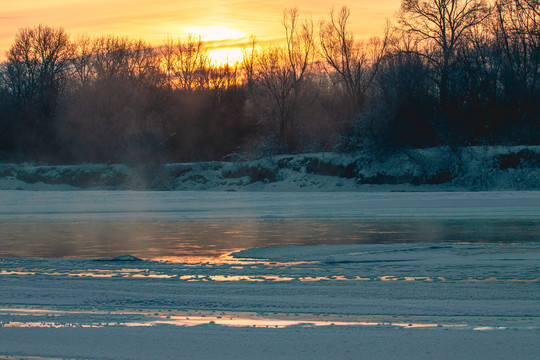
471 168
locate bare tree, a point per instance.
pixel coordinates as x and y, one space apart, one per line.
110 57
517 33
300 44
35 74
439 26
38 61
517 30
142 62
191 62
248 62
275 77
355 64
120 57
282 72
168 55
222 78
186 63
82 60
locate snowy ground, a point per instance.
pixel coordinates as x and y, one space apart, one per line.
428 300
393 301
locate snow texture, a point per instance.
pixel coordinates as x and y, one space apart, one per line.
419 301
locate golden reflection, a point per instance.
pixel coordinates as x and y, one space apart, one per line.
417 278
224 259
185 273
489 328
234 319
15 272
153 276
235 278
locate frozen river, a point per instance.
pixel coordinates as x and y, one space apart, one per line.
407 275
200 205
155 225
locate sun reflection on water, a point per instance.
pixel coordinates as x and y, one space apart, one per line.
151 274
195 318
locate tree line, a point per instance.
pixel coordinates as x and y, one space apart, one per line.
446 72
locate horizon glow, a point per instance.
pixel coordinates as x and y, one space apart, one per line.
225 25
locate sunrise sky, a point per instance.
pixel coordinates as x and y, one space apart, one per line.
225 24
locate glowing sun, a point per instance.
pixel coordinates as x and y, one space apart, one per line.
221 41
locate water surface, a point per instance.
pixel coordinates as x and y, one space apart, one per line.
158 225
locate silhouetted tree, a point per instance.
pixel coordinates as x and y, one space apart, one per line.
352 66
35 75
82 61
123 58
355 64
439 26
282 72
452 72
405 101
517 31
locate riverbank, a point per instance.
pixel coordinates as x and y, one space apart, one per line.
434 169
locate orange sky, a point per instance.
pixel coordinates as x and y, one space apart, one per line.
230 22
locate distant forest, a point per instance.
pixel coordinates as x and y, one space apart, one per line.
445 72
